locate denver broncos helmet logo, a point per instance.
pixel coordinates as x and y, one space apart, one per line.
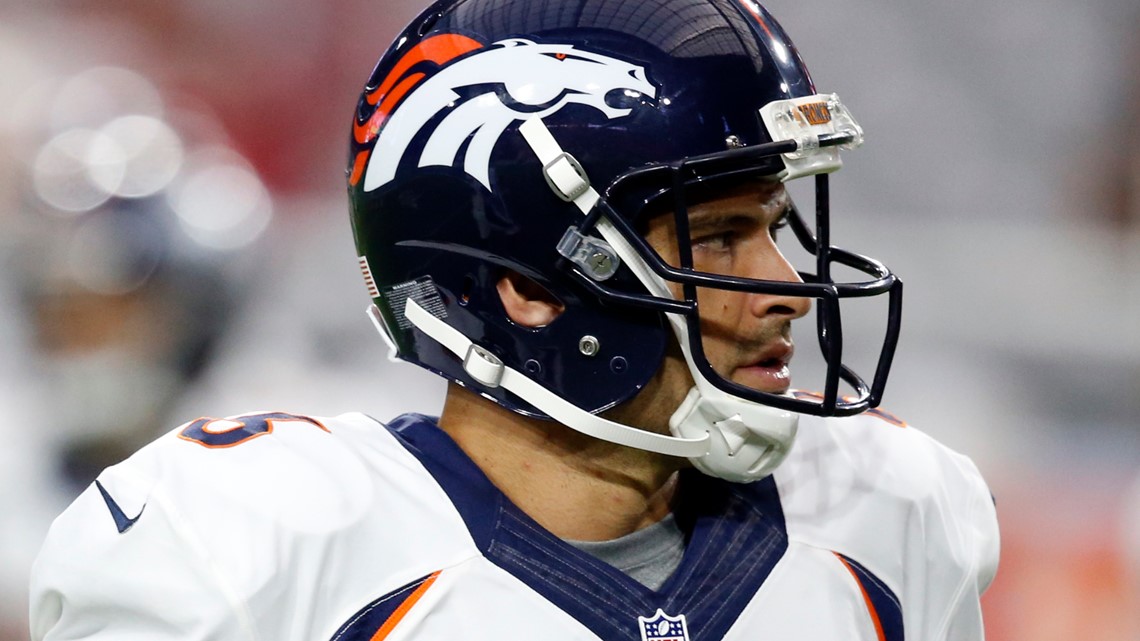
483 90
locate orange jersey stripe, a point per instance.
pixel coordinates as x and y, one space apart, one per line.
866 598
398 615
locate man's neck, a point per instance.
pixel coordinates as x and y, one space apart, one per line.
576 486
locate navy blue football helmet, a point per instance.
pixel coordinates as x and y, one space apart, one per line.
536 136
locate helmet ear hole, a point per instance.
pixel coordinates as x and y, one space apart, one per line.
468 287
526 302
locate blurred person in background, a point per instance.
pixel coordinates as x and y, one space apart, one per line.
133 229
121 324
117 275
130 238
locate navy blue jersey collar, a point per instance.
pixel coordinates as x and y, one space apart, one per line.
735 533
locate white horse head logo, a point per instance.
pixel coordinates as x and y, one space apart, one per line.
537 79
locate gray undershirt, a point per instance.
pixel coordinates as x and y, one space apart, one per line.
649 555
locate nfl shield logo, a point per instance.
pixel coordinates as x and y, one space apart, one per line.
663 627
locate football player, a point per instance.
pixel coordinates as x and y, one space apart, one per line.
570 210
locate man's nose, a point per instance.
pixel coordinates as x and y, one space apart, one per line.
777 268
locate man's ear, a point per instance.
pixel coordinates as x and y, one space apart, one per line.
526 302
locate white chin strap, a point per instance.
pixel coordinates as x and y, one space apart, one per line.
723 435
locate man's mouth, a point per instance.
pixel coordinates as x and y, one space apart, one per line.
769 372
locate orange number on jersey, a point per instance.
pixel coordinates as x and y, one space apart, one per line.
228 432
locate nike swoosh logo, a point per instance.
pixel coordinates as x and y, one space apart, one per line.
122 521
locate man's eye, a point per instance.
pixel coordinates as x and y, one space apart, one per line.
718 242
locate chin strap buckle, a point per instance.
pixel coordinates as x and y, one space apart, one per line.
483 366
566 177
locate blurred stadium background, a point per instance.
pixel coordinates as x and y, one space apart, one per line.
174 242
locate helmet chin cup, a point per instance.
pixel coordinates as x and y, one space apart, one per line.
747 441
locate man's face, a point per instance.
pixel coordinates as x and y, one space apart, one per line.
746 336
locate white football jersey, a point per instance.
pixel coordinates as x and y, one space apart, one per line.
274 527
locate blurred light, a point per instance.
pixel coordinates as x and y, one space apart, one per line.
92 97
106 162
152 154
220 201
78 170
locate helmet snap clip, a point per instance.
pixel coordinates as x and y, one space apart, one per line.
594 256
